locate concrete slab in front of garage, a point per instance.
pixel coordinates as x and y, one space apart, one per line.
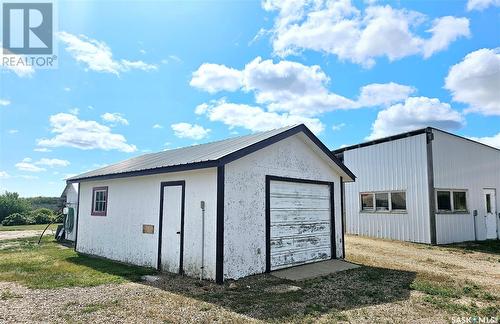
313 270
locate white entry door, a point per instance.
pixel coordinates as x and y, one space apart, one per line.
171 240
490 203
300 223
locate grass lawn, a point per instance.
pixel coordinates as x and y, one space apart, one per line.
28 227
50 265
397 282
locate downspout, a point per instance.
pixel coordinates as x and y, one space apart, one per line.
430 181
202 205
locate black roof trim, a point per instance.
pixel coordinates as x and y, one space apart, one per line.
228 158
382 140
173 168
405 135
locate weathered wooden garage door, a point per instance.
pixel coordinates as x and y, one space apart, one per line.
300 217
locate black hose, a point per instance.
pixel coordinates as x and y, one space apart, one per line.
44 231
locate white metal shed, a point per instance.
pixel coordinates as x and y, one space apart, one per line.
426 186
226 209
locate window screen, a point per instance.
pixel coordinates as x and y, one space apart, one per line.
398 200
382 201
366 201
459 201
444 200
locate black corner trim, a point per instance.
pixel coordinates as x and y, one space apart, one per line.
181 183
219 252
269 178
342 214
333 242
77 216
430 181
268 223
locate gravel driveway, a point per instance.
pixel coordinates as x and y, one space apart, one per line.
124 303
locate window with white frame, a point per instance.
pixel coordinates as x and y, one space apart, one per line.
451 201
385 201
99 201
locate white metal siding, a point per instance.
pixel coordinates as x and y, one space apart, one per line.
389 166
300 223
462 164
244 199
135 201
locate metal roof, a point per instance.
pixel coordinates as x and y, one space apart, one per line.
200 156
404 135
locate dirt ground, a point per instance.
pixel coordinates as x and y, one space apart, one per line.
457 263
398 283
10 235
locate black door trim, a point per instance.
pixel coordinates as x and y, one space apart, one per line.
181 183
269 178
219 249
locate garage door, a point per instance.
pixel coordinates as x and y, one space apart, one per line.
299 223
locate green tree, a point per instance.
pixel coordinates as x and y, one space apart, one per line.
11 203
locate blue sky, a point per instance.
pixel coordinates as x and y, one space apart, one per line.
135 77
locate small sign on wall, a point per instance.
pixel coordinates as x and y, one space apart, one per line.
148 229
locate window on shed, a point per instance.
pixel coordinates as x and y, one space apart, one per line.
459 201
444 200
398 200
366 201
488 203
99 201
382 201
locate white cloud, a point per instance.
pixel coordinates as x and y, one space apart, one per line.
114 118
337 127
339 28
185 130
97 56
414 113
489 140
481 4
292 87
28 177
42 149
74 111
175 58
476 81
445 30
67 89
254 118
216 77
4 175
52 162
157 126
13 131
27 165
4 102
377 94
83 134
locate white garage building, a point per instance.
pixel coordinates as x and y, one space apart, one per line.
233 208
426 186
